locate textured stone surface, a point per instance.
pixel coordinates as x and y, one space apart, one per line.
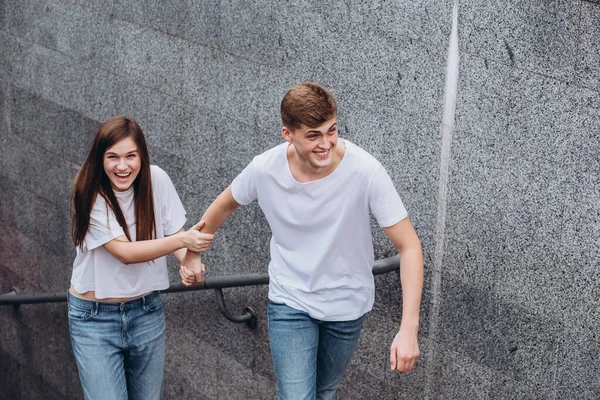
515 315
541 37
427 21
34 215
577 374
49 127
551 200
9 378
588 57
482 105
500 336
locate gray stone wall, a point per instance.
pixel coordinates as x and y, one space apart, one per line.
510 228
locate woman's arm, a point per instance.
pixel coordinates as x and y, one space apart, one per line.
145 250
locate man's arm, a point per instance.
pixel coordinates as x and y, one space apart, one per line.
215 216
405 347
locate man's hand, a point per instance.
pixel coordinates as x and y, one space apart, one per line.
404 351
192 269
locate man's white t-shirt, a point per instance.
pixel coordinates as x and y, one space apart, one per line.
96 269
321 247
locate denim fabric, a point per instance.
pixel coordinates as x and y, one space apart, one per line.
309 356
119 347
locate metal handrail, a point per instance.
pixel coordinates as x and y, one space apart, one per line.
217 283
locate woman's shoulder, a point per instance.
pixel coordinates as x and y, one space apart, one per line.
159 176
158 172
161 182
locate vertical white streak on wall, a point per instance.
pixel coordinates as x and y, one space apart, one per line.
447 130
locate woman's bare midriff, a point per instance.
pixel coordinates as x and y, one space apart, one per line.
91 296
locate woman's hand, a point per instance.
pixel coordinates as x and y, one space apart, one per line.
192 269
195 240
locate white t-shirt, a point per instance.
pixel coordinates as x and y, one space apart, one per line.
96 269
321 248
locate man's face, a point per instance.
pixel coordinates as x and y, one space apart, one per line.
315 147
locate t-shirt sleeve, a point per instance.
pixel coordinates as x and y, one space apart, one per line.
104 226
384 202
243 187
172 211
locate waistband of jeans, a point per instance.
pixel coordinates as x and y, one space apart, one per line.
141 302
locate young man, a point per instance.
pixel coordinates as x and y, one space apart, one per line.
317 192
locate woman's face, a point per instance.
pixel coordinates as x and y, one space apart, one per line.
122 164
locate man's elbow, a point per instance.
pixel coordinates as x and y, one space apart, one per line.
410 247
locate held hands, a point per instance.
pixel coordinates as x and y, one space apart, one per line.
404 351
195 240
192 269
188 278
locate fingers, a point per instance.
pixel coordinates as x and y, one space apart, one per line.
187 277
402 362
199 276
198 226
198 241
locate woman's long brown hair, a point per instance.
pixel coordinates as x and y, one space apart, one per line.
91 181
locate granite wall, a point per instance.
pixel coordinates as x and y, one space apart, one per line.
506 203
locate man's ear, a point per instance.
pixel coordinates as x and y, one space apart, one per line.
287 135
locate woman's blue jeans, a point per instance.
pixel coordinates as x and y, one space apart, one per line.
119 347
310 356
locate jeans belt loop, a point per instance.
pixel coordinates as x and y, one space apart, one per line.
144 302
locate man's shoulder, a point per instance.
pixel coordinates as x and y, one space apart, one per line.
267 159
359 158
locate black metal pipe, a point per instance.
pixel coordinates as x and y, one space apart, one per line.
248 316
380 267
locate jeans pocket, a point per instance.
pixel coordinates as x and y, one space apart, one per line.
80 314
155 304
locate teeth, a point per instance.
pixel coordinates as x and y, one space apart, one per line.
124 175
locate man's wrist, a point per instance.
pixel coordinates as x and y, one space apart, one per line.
410 324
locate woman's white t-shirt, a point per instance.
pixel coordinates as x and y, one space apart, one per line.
321 247
96 269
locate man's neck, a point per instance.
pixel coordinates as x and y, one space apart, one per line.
303 172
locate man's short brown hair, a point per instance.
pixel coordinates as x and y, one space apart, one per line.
309 104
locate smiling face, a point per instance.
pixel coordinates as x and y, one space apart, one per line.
122 163
314 148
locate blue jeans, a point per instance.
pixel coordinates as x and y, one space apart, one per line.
119 347
309 356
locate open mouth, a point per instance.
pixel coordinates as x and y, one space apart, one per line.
322 154
123 175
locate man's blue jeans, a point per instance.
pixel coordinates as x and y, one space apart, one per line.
119 347
309 356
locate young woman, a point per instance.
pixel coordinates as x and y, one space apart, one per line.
126 217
